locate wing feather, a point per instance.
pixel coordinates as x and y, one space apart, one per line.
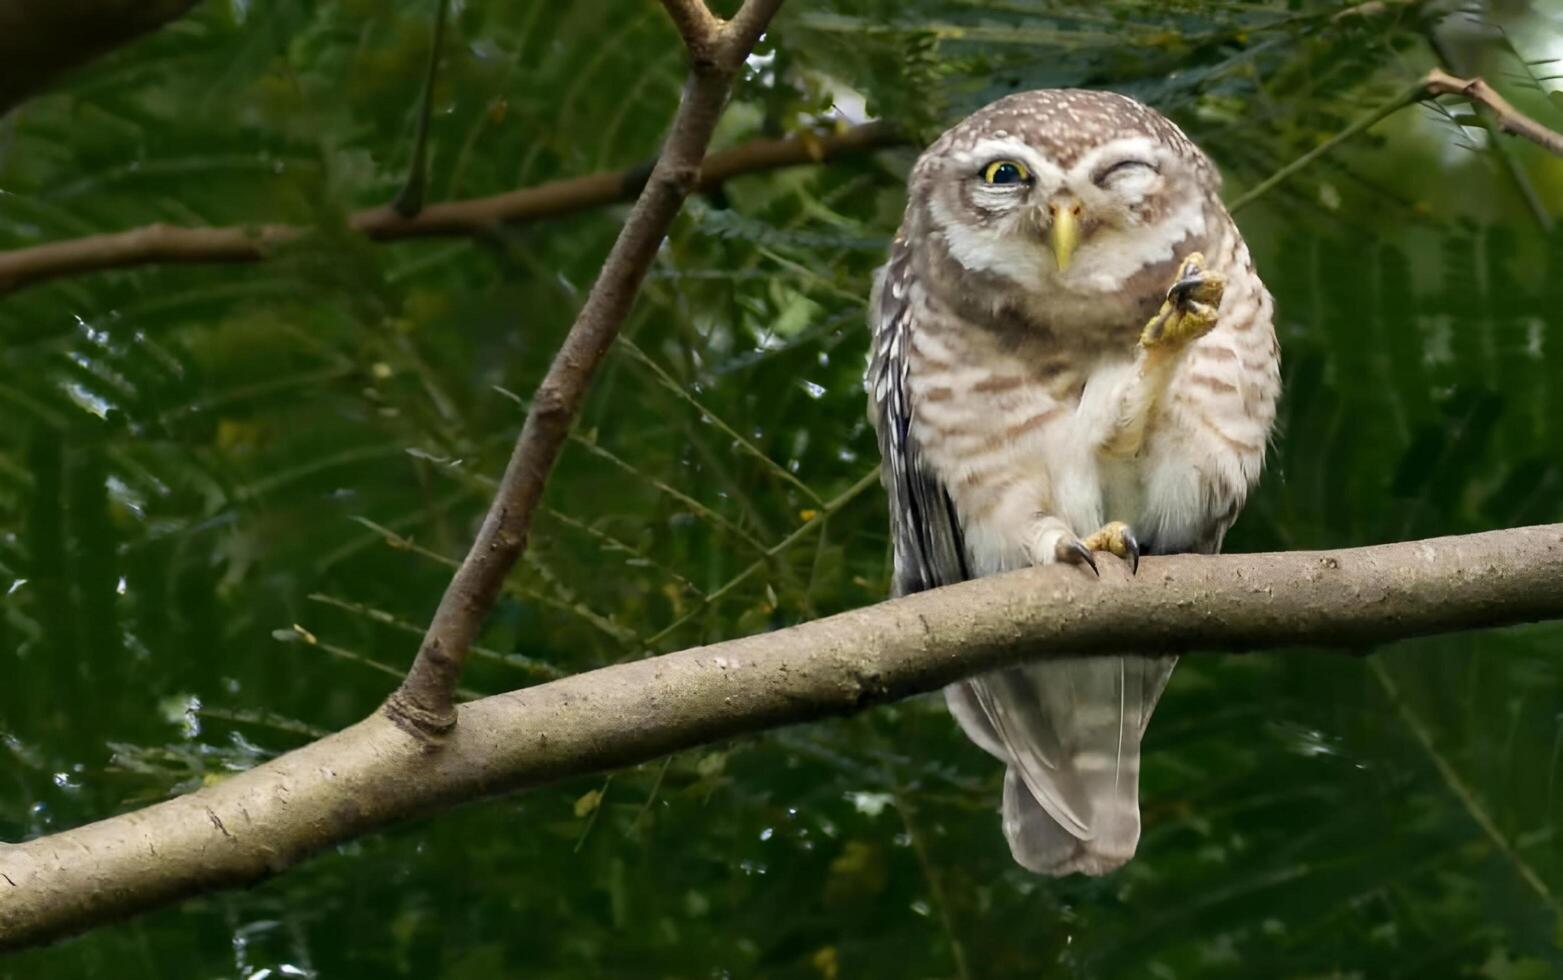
928 547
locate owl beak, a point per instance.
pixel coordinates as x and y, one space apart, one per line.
1064 231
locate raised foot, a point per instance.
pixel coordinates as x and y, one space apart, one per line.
1189 311
1116 538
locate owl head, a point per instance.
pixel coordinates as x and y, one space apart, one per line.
1064 191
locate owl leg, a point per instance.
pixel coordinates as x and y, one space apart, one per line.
1188 313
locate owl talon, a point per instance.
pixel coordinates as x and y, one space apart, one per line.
1190 309
1117 538
1075 552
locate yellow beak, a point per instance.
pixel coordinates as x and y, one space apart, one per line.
1065 235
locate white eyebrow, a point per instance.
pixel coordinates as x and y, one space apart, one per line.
1142 147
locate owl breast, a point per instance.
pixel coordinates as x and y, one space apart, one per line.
1014 425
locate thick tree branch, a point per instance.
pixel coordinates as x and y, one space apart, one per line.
424 704
159 243
695 22
40 40
262 822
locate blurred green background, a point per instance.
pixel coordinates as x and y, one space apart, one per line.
230 496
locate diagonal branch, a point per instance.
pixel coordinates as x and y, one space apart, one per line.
1435 83
1507 118
170 244
262 822
424 704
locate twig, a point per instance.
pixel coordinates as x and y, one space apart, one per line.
301 635
1388 108
610 543
424 703
1435 83
400 542
161 243
1523 185
1507 118
694 506
651 797
374 774
706 415
518 661
1461 792
818 519
934 880
409 201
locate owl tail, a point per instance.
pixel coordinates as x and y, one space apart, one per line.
1069 731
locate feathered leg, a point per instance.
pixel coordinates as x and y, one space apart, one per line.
1188 313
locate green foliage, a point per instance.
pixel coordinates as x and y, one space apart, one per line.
231 496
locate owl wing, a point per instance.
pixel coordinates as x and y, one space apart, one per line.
926 536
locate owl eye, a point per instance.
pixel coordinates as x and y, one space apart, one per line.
1006 172
1122 168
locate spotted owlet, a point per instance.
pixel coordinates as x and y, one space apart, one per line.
1071 353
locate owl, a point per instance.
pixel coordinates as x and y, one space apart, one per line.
1071 354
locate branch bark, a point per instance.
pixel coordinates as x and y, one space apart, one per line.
40 41
170 244
263 821
1507 118
425 702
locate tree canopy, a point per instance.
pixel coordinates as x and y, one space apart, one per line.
231 494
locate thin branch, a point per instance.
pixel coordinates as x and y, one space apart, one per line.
409 200
262 822
1462 792
816 520
1507 118
1523 185
1383 111
694 506
518 661
157 244
424 703
710 417
170 244
1435 83
933 877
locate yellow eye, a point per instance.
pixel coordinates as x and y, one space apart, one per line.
1006 172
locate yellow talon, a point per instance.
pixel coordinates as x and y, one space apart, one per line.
1190 309
1117 538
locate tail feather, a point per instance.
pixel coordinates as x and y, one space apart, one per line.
1039 843
1070 732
